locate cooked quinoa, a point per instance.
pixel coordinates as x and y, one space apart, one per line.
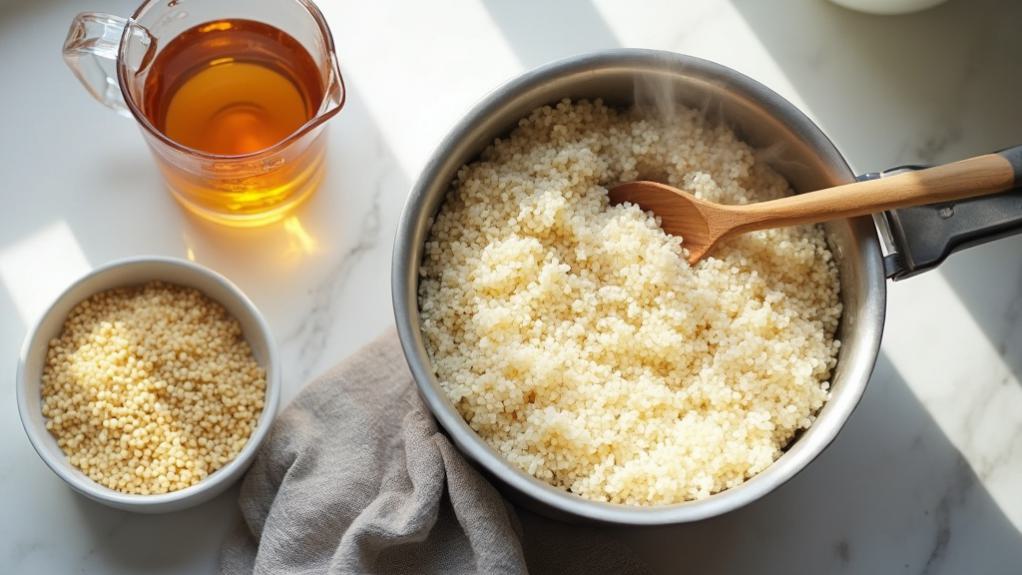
577 341
150 389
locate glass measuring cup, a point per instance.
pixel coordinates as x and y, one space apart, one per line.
113 57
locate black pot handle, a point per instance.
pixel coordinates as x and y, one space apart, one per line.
920 238
1014 157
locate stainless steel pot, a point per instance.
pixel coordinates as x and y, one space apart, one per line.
798 149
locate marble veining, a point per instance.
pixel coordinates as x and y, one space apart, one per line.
311 334
955 494
923 479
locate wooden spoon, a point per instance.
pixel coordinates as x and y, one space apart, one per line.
701 224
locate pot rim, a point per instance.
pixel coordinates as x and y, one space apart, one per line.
404 285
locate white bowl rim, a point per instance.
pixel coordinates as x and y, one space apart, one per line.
104 494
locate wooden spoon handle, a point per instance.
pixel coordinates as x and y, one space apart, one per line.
987 174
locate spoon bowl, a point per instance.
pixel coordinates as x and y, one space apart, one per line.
681 213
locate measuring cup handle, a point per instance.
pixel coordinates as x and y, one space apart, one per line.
90 50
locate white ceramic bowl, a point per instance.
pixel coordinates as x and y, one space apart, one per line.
888 7
128 272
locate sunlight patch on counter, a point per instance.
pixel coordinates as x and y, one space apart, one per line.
300 239
969 395
37 267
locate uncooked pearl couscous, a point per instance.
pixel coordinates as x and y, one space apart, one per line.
149 389
575 339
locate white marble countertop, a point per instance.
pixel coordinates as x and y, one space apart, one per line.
926 476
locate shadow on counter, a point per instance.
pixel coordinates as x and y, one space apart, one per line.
891 494
954 70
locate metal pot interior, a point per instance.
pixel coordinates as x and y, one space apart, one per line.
784 136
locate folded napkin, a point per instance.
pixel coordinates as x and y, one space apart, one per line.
356 478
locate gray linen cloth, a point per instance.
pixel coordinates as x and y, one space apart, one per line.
356 478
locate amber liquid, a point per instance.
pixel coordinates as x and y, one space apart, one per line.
234 88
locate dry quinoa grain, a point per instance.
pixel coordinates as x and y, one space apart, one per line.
576 340
150 389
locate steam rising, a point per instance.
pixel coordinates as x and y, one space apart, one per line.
662 97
